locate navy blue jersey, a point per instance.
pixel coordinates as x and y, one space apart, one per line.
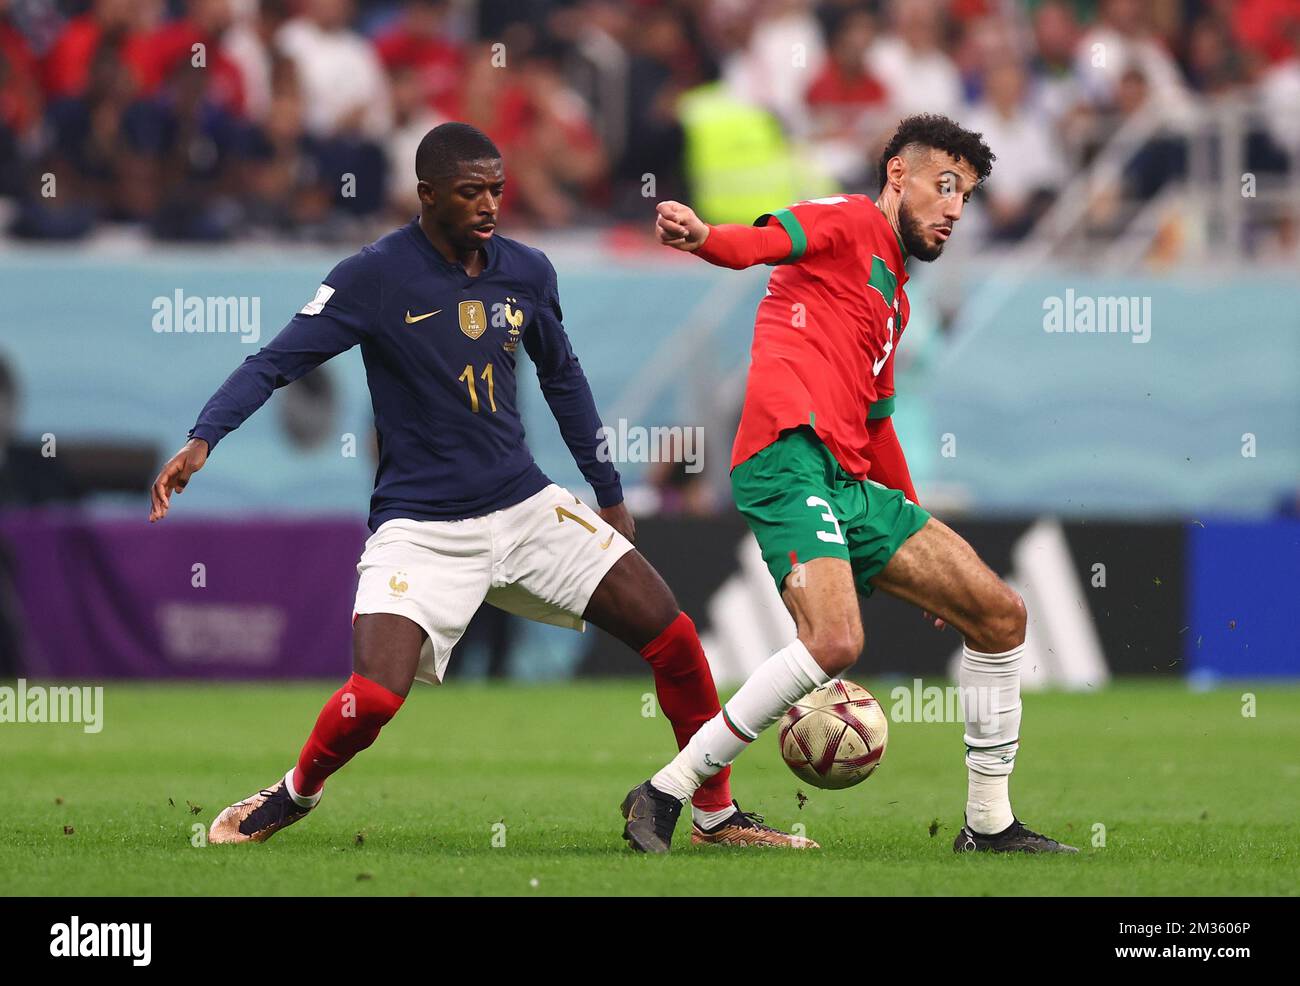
440 349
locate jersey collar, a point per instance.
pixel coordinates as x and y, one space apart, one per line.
490 251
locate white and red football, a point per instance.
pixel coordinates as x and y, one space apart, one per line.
835 736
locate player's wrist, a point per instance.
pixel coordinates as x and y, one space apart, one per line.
198 444
608 496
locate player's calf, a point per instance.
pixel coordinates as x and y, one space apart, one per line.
348 723
989 679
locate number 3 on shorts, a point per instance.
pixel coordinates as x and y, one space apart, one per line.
837 537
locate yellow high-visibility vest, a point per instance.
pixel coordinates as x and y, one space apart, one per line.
738 162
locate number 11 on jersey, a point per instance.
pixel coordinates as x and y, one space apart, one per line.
468 377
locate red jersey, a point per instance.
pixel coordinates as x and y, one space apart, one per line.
825 333
834 88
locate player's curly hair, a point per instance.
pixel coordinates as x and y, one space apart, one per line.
942 134
446 147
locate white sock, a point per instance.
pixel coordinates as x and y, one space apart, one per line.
708 819
990 691
301 800
779 682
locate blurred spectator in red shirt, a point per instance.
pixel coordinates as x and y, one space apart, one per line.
563 141
20 90
149 46
554 162
845 86
847 105
1264 26
418 41
134 27
490 98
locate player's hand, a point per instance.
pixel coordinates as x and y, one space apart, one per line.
679 227
938 623
619 518
175 475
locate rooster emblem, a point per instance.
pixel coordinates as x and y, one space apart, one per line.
514 316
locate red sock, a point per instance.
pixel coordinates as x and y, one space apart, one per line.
349 722
688 697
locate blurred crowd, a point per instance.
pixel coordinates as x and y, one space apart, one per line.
209 119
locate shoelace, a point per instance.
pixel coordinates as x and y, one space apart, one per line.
754 820
665 822
276 806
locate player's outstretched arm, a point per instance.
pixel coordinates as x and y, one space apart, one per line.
725 245
175 475
331 323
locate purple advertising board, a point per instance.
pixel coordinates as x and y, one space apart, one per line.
117 598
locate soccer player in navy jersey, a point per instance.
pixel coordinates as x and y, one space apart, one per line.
461 514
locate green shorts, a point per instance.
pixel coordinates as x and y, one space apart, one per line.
801 504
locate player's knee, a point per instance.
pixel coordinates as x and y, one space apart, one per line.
664 613
391 676
835 651
1003 624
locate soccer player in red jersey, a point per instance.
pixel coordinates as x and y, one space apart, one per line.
817 472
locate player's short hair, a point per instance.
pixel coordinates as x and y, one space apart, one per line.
446 147
936 131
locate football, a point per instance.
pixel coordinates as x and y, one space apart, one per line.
835 736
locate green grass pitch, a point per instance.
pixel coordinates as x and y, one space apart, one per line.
1195 799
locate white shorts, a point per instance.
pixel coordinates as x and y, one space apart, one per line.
540 559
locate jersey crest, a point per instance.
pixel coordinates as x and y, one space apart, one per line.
473 318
